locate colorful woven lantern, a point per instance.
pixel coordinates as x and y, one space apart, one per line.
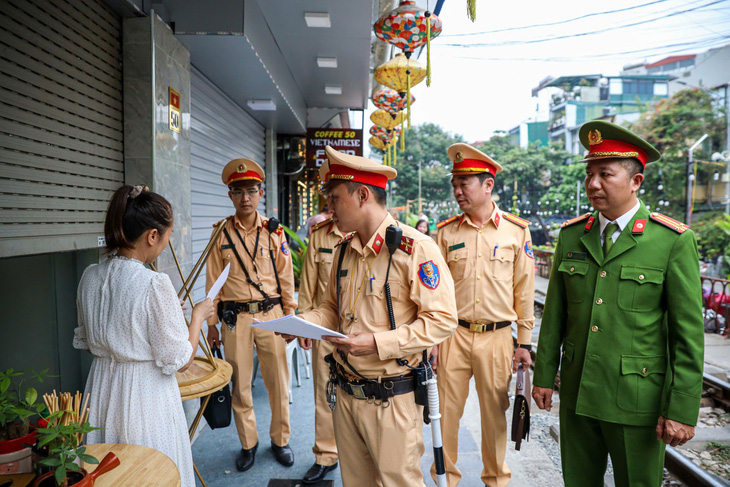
377 143
389 100
385 119
408 27
394 74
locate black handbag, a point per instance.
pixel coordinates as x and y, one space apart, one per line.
218 411
521 413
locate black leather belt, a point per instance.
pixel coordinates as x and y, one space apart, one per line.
253 307
482 326
372 389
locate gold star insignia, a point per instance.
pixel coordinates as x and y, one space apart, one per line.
594 137
458 157
242 168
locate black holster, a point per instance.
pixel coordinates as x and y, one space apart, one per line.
227 313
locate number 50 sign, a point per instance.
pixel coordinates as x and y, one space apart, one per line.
174 111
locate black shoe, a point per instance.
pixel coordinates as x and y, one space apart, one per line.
317 473
283 454
245 459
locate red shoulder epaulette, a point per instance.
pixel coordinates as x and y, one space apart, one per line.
439 225
222 221
278 231
344 239
575 220
406 245
515 219
322 224
675 225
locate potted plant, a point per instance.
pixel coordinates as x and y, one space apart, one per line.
63 438
17 406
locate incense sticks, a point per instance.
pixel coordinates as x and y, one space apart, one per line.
71 406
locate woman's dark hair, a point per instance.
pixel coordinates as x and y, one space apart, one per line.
132 211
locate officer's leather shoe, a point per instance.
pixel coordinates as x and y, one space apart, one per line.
283 454
316 473
245 458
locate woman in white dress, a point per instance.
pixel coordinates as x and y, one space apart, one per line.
130 319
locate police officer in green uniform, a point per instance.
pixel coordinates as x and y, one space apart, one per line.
625 305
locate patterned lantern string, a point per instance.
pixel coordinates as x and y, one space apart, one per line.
389 100
377 143
400 74
408 27
385 119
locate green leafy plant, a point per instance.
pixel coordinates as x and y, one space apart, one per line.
297 256
18 403
63 440
724 223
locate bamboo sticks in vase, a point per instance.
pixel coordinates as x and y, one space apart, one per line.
73 409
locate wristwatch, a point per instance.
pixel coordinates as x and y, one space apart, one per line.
526 347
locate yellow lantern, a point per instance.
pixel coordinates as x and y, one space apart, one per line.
385 119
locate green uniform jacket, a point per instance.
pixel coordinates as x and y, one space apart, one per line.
630 325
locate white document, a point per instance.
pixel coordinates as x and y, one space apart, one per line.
293 325
218 284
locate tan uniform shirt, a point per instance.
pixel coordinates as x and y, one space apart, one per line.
493 268
317 265
423 299
236 288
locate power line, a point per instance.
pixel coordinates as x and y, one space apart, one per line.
582 34
560 22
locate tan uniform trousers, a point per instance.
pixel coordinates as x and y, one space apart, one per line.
271 351
379 446
325 447
488 357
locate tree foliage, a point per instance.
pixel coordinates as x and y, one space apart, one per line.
673 125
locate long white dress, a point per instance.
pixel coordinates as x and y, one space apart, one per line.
131 321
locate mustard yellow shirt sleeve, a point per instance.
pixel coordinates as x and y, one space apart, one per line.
524 291
213 269
327 313
286 274
308 280
436 317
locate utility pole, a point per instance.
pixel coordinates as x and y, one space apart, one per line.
690 178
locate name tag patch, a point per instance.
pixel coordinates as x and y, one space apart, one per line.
324 250
343 273
576 255
226 246
457 246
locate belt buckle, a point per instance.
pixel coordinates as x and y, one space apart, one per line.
358 391
478 326
254 308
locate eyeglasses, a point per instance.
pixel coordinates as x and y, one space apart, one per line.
251 192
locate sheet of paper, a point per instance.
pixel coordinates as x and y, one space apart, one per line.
293 325
218 284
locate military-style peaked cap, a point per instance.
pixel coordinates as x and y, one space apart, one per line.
468 160
346 167
606 140
242 170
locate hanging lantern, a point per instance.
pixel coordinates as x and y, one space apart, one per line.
385 119
393 74
389 100
377 143
408 27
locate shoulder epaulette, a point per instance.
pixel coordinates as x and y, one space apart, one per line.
406 245
345 239
278 231
675 225
439 225
222 221
515 219
322 224
575 220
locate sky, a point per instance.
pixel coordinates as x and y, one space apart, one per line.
482 79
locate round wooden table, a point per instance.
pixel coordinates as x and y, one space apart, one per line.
140 466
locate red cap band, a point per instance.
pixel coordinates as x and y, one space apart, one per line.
617 148
243 176
474 165
344 173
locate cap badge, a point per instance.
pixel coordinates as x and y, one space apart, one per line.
458 157
242 168
594 137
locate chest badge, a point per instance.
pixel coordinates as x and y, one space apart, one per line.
428 272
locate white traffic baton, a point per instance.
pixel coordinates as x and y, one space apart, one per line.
434 414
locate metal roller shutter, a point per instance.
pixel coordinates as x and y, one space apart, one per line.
221 131
61 128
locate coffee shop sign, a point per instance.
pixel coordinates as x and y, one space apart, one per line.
348 141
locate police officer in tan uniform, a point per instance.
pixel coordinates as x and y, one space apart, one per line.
260 285
489 252
378 425
312 291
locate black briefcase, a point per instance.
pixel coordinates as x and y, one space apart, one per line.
521 413
218 411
